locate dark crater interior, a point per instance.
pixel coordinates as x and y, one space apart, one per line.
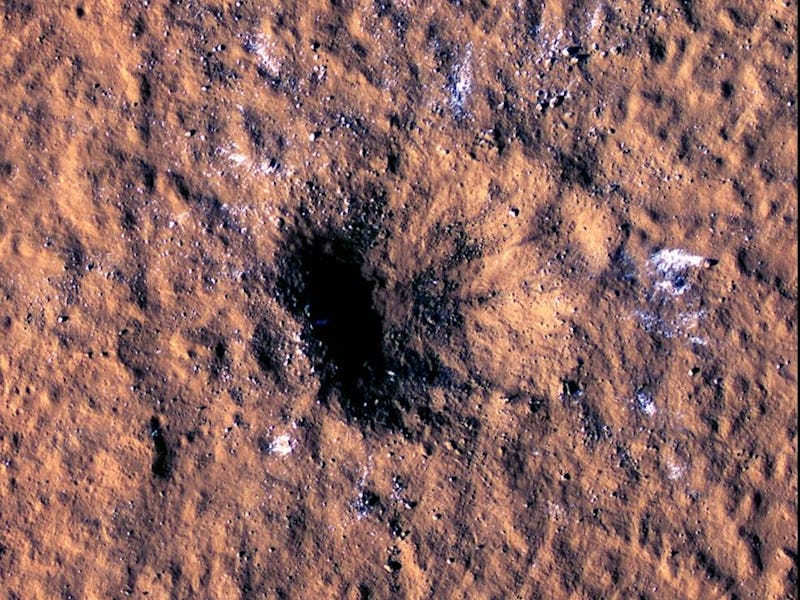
379 370
324 284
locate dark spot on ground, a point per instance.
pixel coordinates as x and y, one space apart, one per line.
577 168
367 502
162 463
727 89
328 290
657 49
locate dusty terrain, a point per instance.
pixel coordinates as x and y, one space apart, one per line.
395 299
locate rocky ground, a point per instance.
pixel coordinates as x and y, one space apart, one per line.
396 299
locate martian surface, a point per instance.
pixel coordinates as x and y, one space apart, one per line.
374 299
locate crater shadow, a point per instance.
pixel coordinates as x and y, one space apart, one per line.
324 284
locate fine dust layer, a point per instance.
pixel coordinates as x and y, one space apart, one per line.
397 299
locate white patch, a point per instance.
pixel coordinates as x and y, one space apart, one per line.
675 471
651 322
673 307
597 19
282 445
688 321
240 160
247 164
461 84
645 403
555 511
670 262
259 46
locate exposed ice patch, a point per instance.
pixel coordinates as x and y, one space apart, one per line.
669 324
259 46
282 445
690 320
670 304
675 471
555 511
672 266
597 19
669 261
239 159
460 84
645 403
246 163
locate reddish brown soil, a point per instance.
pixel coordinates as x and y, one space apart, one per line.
395 299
